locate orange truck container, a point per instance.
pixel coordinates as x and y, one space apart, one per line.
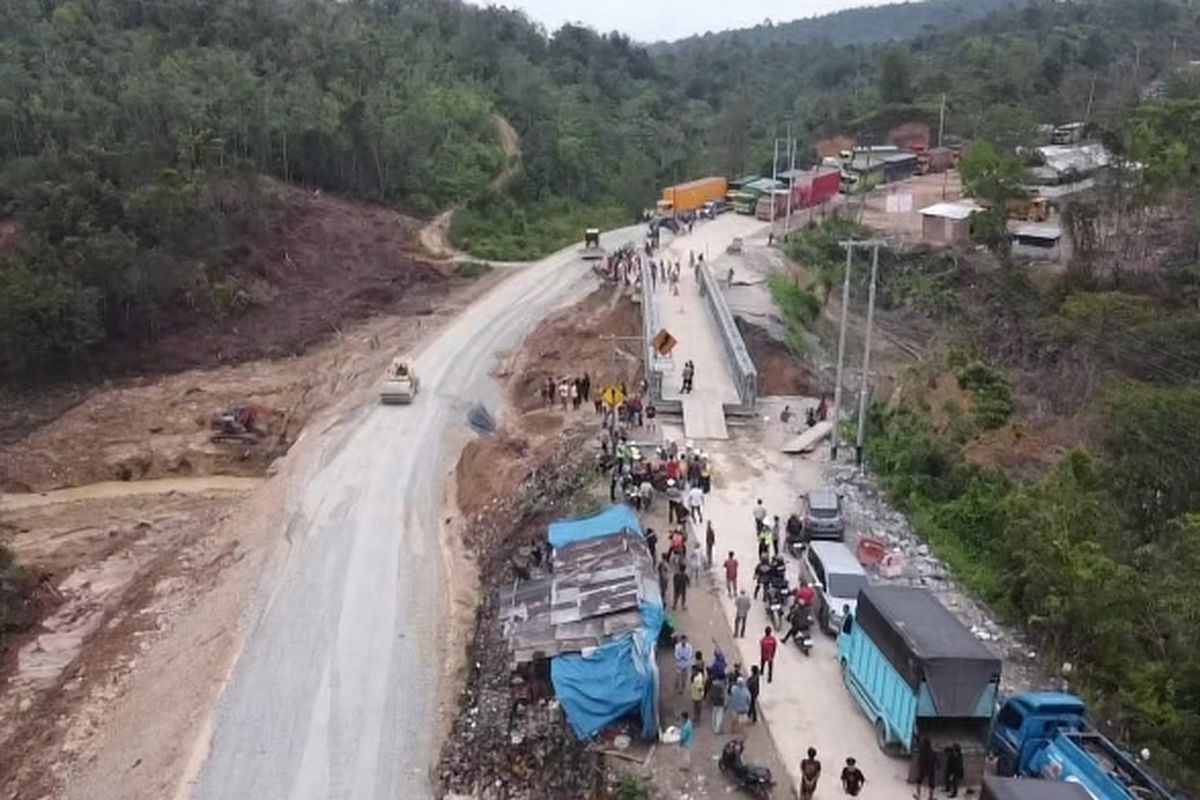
693 194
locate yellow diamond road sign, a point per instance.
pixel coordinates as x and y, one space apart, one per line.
612 396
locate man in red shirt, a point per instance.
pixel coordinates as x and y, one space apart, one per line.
766 654
805 595
731 568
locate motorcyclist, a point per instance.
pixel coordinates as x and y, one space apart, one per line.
799 622
804 595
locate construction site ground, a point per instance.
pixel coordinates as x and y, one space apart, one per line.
121 505
128 515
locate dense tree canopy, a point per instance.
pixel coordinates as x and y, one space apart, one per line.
124 123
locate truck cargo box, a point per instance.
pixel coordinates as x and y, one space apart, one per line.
928 645
694 194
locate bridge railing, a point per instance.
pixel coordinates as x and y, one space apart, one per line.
745 375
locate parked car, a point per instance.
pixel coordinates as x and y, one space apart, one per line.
823 518
835 574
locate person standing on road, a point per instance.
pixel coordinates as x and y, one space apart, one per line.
765 538
696 565
697 693
954 769
695 499
664 576
683 662
710 542
810 773
739 704
762 573
716 698
766 653
775 535
741 608
754 684
564 393
680 585
686 730
760 516
926 768
652 544
646 493
852 778
731 569
586 386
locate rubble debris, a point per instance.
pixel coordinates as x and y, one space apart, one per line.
509 738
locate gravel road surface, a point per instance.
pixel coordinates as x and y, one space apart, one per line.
335 691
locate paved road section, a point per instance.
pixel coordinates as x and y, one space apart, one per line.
687 318
334 694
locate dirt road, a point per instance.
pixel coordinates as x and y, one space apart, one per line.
335 692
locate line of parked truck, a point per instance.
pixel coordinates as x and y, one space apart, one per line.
767 198
917 672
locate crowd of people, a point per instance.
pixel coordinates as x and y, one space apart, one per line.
567 392
629 268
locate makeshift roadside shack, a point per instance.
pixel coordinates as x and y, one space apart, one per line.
597 617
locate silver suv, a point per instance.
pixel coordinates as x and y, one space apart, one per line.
823 518
837 577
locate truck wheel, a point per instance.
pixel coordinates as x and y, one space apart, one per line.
881 736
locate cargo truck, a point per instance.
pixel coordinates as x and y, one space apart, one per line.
1047 735
778 199
691 196
997 788
815 187
917 672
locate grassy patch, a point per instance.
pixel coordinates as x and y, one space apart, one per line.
799 305
497 229
472 269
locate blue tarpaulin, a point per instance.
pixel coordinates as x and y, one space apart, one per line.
611 520
603 684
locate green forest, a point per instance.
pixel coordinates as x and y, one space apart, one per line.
131 131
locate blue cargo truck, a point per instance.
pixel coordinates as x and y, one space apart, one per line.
997 788
1047 735
918 672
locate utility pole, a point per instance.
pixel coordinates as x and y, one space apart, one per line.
787 222
942 120
836 433
774 180
866 361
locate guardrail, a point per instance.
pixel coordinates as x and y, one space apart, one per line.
745 375
650 328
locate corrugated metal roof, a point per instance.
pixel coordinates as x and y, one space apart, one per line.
954 211
1035 230
1080 158
590 597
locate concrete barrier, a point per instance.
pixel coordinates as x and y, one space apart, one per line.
654 375
745 375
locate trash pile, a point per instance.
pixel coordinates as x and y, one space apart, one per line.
909 562
510 739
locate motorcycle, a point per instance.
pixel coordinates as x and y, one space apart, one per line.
802 622
774 598
754 779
